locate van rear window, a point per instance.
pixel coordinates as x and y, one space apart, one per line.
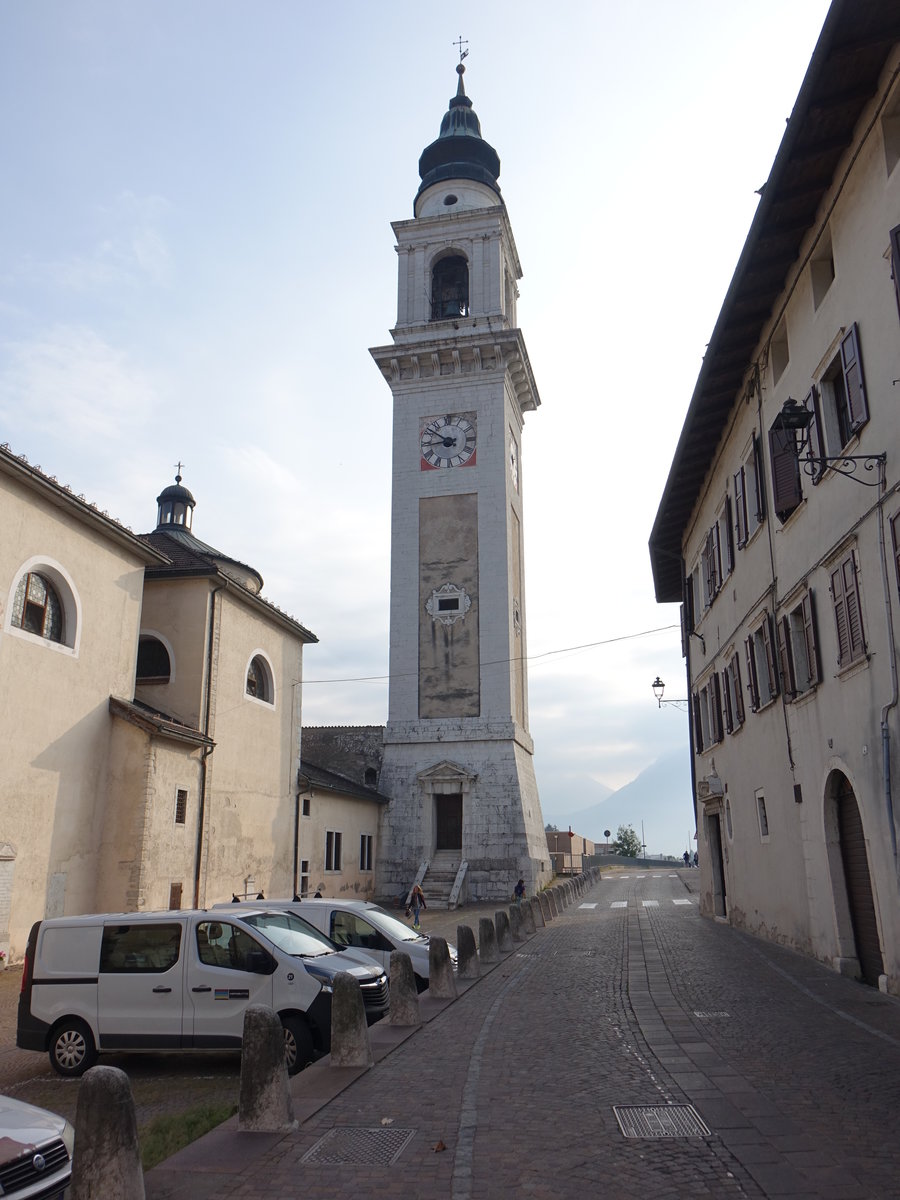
139 948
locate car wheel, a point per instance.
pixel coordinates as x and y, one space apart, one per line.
298 1044
72 1049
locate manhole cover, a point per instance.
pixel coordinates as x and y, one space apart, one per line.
660 1121
378 1147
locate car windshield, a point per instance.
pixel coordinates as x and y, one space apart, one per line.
290 933
391 927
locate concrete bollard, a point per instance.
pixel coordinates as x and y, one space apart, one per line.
544 902
487 941
107 1158
467 965
528 924
265 1104
404 1008
350 1045
441 980
504 936
515 923
551 900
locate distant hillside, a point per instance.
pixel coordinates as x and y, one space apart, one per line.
660 797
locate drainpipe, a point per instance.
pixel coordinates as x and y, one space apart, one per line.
207 708
892 658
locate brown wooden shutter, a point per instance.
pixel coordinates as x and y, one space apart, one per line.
716 554
728 534
709 572
851 363
715 703
840 616
816 432
895 263
698 726
740 507
735 668
766 629
760 480
854 607
688 605
808 609
752 681
726 697
786 489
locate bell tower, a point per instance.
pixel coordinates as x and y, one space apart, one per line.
458 757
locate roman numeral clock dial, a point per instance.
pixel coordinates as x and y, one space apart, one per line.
448 441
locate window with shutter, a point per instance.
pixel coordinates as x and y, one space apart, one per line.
734 675
715 701
895 535
847 611
786 659
726 538
698 726
740 508
769 650
760 497
815 433
787 491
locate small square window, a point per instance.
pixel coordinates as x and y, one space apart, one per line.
306 802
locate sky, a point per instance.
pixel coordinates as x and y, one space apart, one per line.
196 255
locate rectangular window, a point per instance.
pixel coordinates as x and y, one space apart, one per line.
762 815
365 852
306 805
726 540
749 496
135 949
304 876
175 895
848 611
181 798
762 680
798 653
732 697
708 714
840 404
332 851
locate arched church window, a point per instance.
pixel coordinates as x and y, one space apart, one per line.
37 608
153 664
259 680
450 288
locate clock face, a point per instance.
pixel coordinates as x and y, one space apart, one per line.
513 462
448 441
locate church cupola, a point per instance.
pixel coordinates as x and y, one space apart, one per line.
175 507
460 152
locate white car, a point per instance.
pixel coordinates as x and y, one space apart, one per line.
35 1151
360 925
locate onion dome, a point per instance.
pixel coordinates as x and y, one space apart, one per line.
175 507
460 152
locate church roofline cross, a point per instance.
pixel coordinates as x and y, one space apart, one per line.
459 43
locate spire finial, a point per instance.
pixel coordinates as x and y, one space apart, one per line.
459 43
179 466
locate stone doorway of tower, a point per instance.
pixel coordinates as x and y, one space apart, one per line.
448 822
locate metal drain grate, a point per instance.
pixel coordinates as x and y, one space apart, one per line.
660 1121
360 1147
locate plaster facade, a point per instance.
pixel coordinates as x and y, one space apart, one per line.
791 570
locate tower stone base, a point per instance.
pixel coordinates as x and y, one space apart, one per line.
474 799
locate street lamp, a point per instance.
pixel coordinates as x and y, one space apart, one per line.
658 688
796 418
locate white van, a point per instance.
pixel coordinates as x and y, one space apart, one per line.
175 980
360 925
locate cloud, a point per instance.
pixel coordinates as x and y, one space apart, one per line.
72 385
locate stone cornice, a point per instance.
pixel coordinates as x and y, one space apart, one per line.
410 362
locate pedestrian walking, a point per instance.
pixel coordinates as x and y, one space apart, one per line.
519 891
416 903
687 858
696 859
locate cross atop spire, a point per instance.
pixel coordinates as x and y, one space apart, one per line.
459 43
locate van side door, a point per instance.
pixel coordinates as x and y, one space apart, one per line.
141 985
350 930
227 969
